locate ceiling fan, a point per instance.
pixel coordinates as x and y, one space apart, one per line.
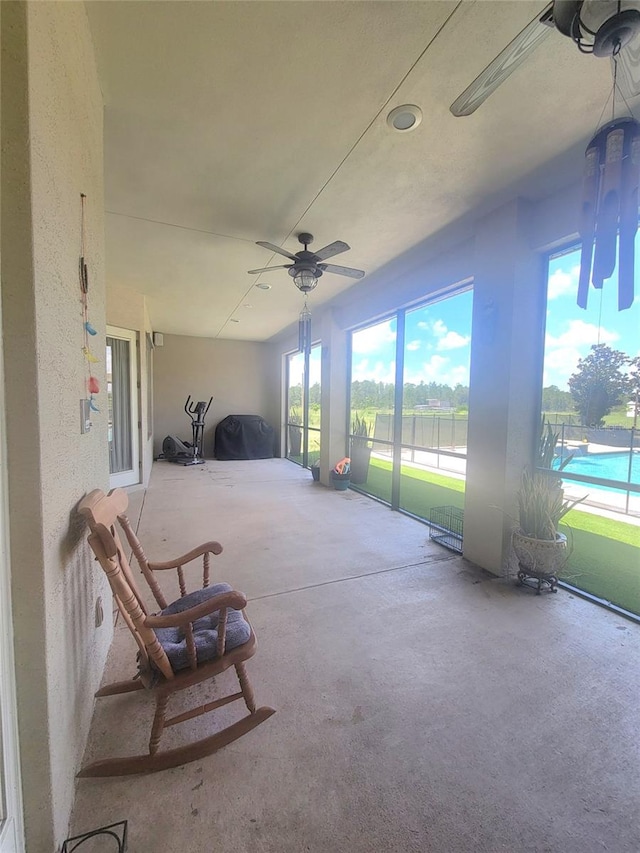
307 267
602 27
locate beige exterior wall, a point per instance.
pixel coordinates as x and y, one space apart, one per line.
237 374
127 309
52 152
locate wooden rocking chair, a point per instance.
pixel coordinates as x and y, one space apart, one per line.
193 639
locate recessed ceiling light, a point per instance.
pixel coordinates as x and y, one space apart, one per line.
263 286
246 305
233 320
404 118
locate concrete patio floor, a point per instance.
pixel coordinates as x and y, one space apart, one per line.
422 705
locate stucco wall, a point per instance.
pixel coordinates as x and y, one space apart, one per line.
52 152
237 374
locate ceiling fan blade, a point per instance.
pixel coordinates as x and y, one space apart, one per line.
331 250
505 62
276 249
266 269
628 77
350 271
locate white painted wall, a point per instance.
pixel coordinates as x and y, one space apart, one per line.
52 152
239 375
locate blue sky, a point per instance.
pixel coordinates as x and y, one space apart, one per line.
571 331
437 345
438 336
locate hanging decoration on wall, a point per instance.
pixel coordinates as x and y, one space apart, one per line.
93 386
609 218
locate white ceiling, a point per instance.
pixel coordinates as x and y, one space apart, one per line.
231 122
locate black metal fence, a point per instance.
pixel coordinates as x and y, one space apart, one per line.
613 436
431 432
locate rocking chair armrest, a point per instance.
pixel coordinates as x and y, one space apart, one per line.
235 600
210 547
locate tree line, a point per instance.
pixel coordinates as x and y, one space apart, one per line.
604 379
368 394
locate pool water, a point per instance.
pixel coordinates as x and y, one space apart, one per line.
607 466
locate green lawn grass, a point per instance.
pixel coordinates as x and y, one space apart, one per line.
605 553
605 558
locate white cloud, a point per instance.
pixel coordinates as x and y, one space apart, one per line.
452 340
439 329
296 369
581 334
378 372
434 366
458 376
446 339
564 351
435 327
412 346
439 369
374 338
559 364
561 282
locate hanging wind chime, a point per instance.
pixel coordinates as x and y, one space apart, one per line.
609 219
304 330
93 386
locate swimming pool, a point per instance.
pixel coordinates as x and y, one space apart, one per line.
607 466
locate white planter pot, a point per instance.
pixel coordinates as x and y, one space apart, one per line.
540 556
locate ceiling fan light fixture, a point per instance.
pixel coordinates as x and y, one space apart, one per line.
601 27
305 280
404 118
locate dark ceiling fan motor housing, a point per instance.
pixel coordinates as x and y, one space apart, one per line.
307 267
599 28
306 263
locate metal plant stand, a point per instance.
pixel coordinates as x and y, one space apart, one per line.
537 580
116 831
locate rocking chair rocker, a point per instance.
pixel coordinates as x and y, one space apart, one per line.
193 639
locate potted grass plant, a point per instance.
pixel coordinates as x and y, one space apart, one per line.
360 450
539 545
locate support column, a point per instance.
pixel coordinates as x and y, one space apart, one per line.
505 381
333 409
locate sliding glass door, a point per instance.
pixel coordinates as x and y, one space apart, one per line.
372 412
435 398
408 405
303 407
122 394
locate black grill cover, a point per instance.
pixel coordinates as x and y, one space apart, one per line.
243 437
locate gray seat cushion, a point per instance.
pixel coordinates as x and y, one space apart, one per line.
205 630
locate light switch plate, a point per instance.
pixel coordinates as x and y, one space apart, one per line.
85 417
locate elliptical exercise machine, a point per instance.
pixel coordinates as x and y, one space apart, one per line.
183 453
